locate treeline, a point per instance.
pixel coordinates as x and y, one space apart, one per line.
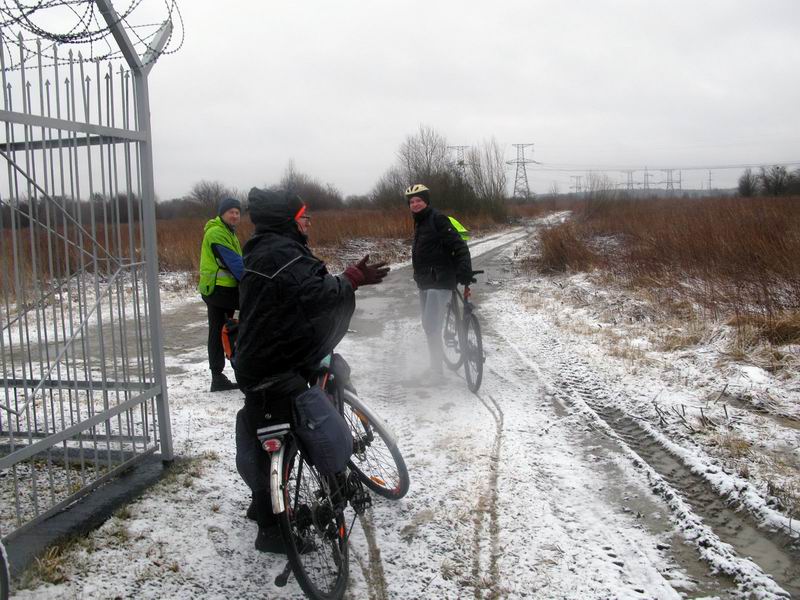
476 185
774 181
60 210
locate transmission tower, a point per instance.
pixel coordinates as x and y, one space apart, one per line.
460 164
647 177
577 185
669 184
629 183
521 189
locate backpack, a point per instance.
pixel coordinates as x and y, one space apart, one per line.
460 229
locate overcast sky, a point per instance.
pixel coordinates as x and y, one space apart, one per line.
337 86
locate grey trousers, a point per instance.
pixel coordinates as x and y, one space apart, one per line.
434 307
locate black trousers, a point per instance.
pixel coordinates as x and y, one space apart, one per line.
221 305
252 461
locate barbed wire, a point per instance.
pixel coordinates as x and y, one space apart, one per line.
86 31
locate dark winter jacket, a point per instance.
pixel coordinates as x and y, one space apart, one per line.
438 253
292 311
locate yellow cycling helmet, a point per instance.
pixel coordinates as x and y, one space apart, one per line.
417 190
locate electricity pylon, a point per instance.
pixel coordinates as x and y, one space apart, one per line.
521 189
460 164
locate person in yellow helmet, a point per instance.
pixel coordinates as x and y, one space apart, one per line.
441 260
221 269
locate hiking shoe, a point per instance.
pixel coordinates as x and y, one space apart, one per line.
269 539
220 383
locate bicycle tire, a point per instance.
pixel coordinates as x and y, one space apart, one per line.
452 347
473 353
5 576
376 458
313 528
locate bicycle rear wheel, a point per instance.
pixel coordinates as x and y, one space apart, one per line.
452 336
314 529
376 458
473 353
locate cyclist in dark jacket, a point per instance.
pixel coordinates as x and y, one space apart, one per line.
440 259
292 314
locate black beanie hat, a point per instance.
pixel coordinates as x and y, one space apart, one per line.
227 204
272 207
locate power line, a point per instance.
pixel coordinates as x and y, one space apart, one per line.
566 168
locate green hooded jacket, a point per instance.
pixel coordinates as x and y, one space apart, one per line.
212 273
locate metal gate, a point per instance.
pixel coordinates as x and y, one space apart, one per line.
81 351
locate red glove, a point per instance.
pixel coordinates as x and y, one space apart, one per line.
362 273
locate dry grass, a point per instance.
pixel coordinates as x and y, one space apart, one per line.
729 256
563 248
779 330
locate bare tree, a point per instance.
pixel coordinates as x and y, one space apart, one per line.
748 184
388 192
487 177
423 156
775 181
317 195
208 195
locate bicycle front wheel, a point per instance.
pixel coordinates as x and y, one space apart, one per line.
376 458
313 528
473 353
451 336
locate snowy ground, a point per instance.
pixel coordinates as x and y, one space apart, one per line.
582 469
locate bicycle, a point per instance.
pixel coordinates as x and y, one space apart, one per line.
461 337
5 577
311 506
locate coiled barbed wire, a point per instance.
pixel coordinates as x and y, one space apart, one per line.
87 30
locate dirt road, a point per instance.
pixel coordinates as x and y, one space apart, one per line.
534 488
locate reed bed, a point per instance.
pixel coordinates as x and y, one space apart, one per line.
733 256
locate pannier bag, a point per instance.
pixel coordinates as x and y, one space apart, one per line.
323 432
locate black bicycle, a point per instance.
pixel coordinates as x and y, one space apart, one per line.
461 337
311 507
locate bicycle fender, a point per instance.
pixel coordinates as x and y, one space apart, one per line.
275 488
361 406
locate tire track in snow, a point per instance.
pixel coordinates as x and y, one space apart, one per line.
749 576
487 506
372 568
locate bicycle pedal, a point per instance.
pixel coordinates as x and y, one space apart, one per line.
361 501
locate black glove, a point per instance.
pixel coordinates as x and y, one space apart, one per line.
465 278
362 273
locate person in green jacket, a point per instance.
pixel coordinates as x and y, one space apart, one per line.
221 269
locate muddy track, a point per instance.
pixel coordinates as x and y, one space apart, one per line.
372 567
721 535
487 584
